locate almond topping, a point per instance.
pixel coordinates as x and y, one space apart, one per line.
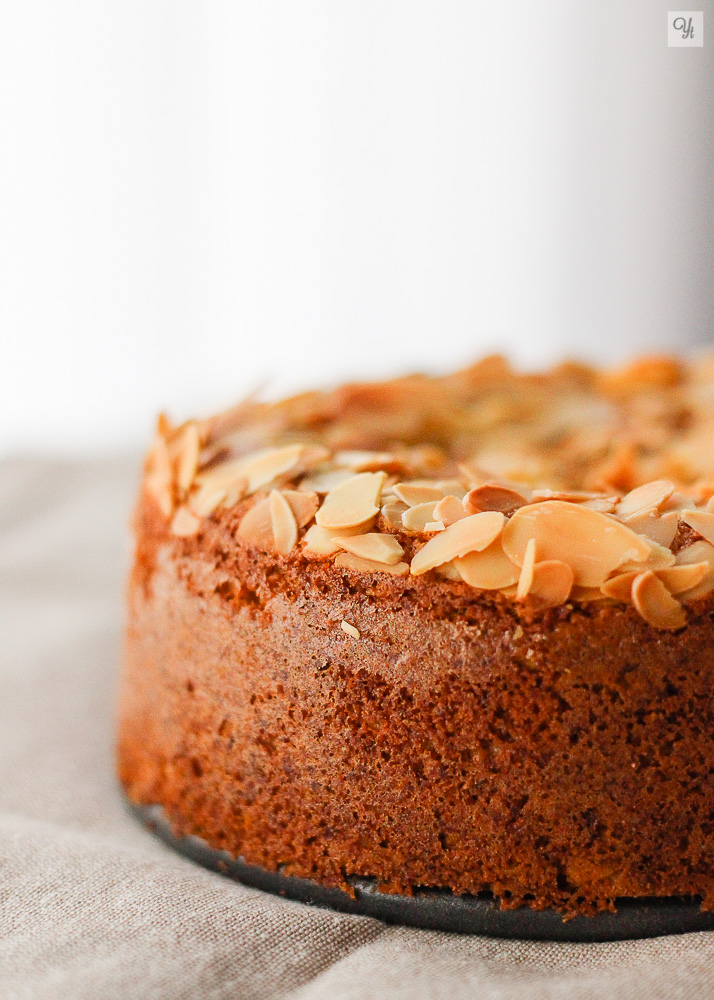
573 496
702 522
449 510
413 494
471 534
321 542
283 522
350 629
378 548
434 526
256 527
347 560
660 528
158 480
188 456
303 505
619 587
353 502
324 480
551 583
490 569
492 496
206 500
644 498
184 523
392 513
678 579
699 551
525 578
259 468
591 543
659 558
655 603
416 518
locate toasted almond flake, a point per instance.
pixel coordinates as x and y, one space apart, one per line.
591 543
449 571
452 487
702 521
619 587
190 448
321 542
347 560
256 527
699 551
184 523
572 496
322 480
434 526
552 583
659 557
235 494
378 548
392 514
205 501
586 594
365 461
350 629
416 518
448 510
160 489
643 498
303 505
525 579
678 501
606 506
661 528
678 579
710 503
259 468
493 496
490 569
158 479
285 531
655 603
472 534
353 502
414 494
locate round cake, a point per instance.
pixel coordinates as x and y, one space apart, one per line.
452 632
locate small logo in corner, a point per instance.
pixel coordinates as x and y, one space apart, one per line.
685 28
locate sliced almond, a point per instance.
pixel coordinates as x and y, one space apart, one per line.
303 505
349 629
206 500
644 498
591 543
158 479
493 496
365 461
256 526
678 579
605 506
392 513
525 579
552 583
321 542
452 487
190 448
434 526
661 528
378 548
347 560
702 521
354 502
585 595
658 558
285 530
449 571
448 510
184 523
258 469
323 480
413 494
572 496
472 534
416 518
619 587
699 551
655 603
490 569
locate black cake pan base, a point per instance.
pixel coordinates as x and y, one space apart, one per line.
439 909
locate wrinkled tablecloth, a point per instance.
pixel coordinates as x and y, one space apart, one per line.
92 906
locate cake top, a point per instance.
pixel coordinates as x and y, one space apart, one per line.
577 484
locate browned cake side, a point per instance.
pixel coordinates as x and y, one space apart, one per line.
452 633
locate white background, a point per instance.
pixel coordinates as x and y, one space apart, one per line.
199 196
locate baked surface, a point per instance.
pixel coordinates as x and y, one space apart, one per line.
316 710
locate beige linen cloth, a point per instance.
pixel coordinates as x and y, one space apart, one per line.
92 906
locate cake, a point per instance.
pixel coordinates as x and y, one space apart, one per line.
452 632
